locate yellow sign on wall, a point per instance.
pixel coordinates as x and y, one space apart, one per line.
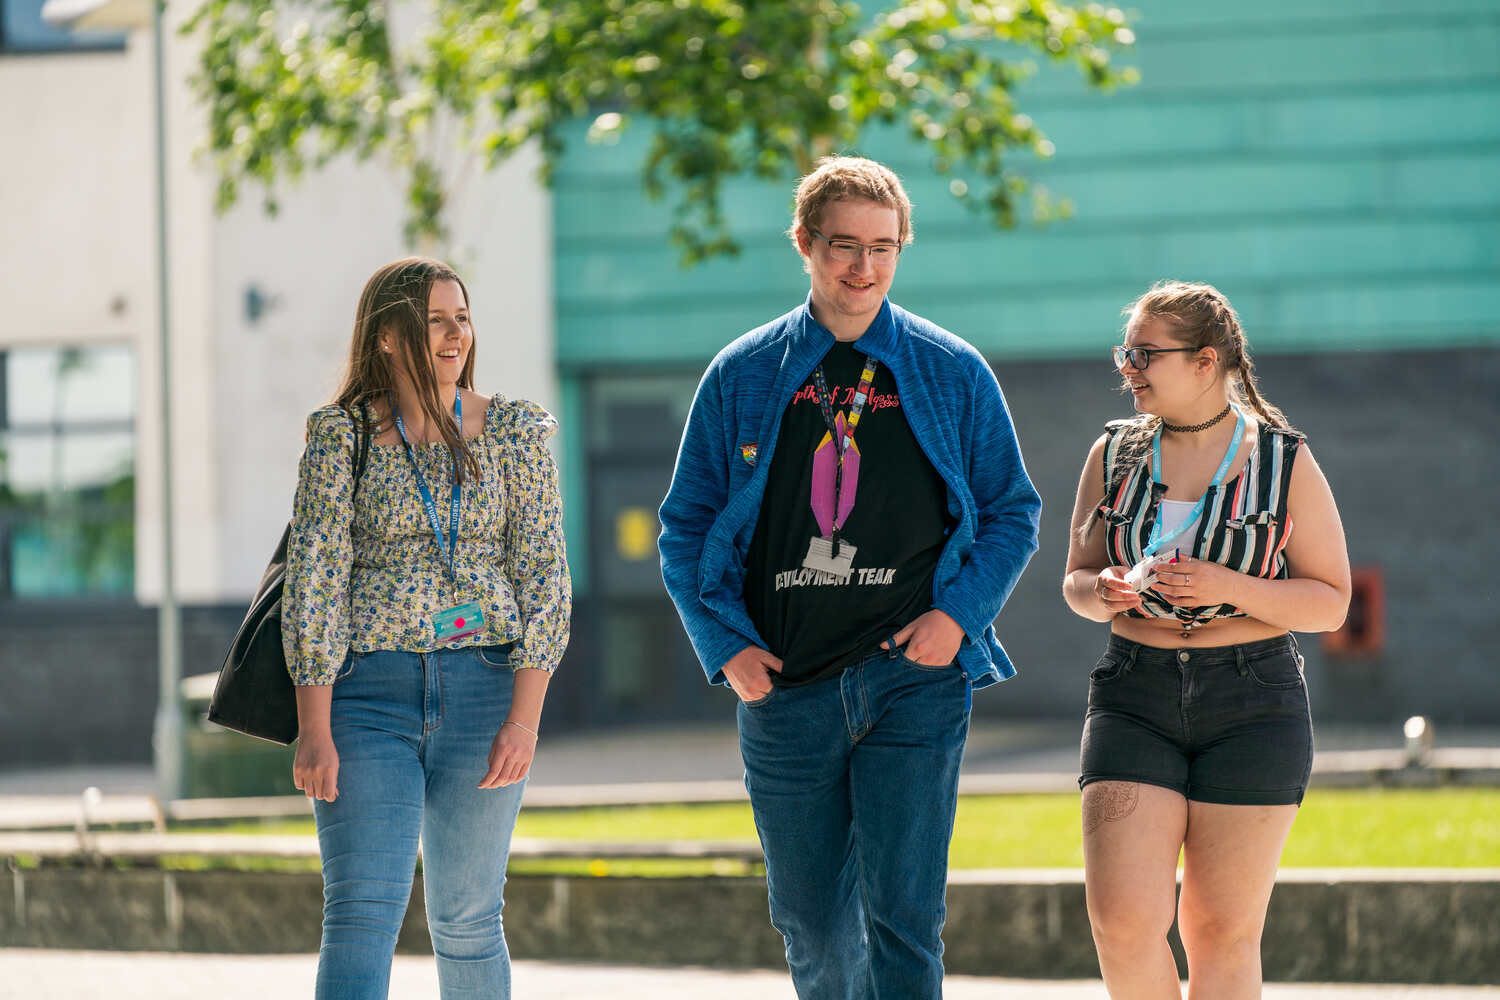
635 534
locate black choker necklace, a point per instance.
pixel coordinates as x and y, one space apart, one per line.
1194 428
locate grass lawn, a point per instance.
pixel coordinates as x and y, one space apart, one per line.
1444 827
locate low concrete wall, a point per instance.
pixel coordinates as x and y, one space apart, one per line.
1408 926
1323 926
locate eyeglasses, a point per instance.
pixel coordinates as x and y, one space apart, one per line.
1140 357
848 251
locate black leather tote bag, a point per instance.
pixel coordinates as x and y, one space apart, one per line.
254 694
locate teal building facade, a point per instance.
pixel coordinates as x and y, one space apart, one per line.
1333 167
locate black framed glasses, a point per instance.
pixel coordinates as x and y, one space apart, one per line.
848 251
1140 357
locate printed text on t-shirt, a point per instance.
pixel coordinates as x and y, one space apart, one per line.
844 396
817 578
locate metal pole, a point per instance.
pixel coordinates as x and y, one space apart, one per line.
167 738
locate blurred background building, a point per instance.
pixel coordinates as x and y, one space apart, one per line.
1334 167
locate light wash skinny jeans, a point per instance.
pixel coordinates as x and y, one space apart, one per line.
413 734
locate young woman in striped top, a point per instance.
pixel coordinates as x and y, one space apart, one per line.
1198 737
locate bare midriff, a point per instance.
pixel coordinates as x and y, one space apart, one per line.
1168 633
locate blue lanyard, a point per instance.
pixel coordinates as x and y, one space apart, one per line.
447 546
1156 543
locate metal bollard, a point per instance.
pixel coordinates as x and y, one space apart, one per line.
87 803
1418 741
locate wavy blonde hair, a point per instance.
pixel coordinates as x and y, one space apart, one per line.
842 178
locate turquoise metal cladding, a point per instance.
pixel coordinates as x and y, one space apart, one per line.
1333 167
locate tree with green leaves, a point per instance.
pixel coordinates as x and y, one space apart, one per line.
728 87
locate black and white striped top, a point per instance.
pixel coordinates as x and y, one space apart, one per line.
1244 524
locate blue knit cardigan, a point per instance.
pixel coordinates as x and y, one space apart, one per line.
960 420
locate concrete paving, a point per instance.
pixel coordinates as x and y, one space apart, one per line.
64 975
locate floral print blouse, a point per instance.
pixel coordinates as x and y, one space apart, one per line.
368 575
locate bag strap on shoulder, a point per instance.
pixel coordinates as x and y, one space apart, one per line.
361 445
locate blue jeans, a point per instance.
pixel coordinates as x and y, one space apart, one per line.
413 734
854 781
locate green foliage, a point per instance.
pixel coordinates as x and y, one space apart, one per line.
728 89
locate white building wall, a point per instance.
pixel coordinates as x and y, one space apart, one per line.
78 259
75 255
78 265
311 262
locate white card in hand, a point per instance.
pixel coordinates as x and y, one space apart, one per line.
1142 575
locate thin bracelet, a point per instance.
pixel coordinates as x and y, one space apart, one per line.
533 732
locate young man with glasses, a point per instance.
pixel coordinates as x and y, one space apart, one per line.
848 514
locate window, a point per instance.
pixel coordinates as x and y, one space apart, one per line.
67 472
22 29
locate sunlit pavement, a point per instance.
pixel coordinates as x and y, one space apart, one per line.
75 975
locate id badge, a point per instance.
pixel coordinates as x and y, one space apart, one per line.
820 557
1142 575
458 622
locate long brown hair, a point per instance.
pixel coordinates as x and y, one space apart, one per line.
1199 316
394 303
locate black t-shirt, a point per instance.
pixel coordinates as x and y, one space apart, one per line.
818 623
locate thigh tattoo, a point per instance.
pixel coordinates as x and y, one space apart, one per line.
1107 801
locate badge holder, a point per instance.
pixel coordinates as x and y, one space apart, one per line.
820 557
458 622
1142 575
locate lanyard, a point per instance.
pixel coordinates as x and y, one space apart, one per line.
843 440
825 403
447 546
1156 543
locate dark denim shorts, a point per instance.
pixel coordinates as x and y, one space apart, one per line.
1226 724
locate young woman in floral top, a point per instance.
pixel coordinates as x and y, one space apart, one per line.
426 606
